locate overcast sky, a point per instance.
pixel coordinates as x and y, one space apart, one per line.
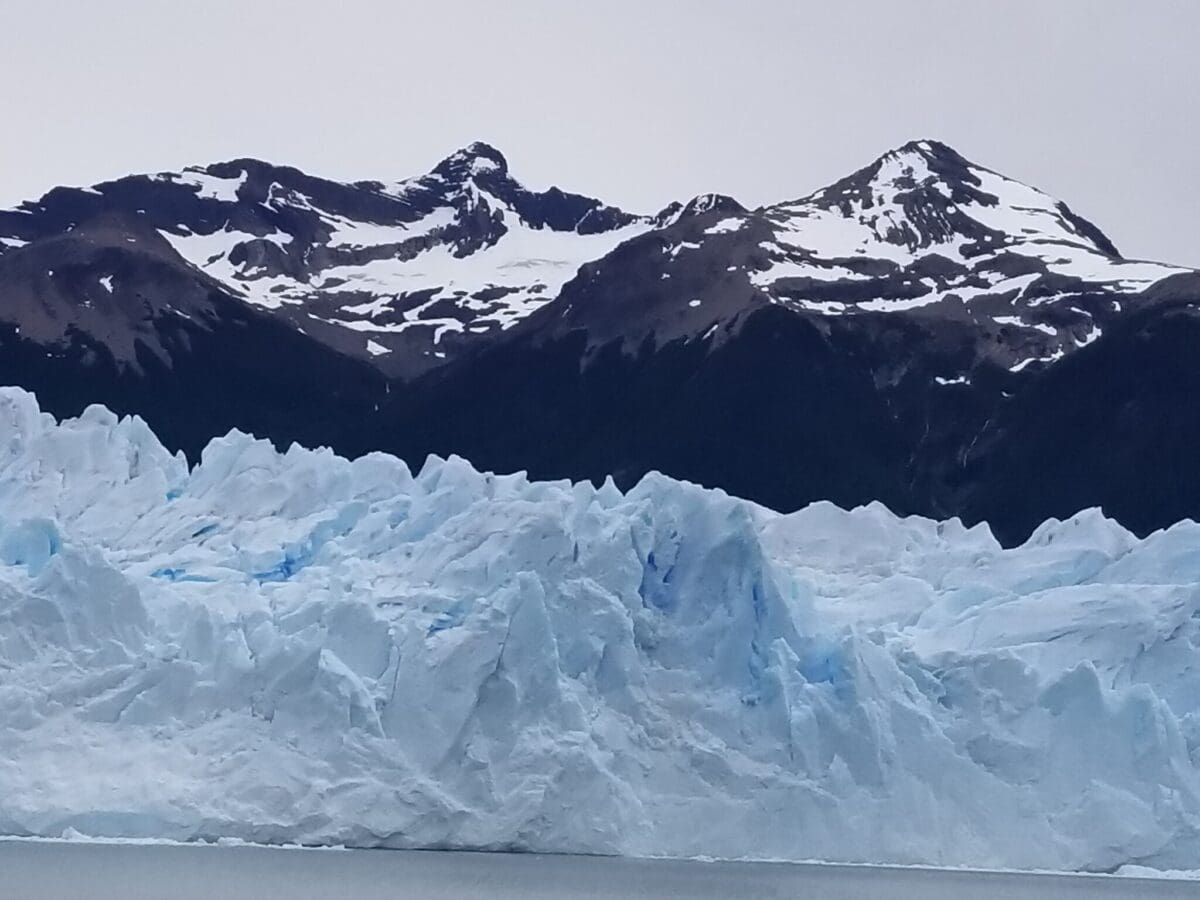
635 101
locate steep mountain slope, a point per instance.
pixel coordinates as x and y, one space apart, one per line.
403 274
925 332
107 312
920 231
1115 427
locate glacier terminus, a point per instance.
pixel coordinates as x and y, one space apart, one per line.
295 647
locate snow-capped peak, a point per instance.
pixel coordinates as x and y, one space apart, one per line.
912 166
920 225
703 204
407 273
925 194
475 160
700 205
924 199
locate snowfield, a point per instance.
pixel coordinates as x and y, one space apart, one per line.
299 648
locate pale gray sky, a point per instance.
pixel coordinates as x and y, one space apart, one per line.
636 101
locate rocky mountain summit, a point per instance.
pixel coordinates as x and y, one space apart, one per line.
925 331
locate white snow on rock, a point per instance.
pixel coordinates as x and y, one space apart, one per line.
493 287
211 253
298 648
208 186
725 226
814 233
532 263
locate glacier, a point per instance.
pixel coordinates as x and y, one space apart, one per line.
299 648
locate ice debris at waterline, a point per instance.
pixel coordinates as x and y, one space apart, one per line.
295 647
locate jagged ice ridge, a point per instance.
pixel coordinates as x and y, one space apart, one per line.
297 647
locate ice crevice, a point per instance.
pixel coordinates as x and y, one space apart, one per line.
298 647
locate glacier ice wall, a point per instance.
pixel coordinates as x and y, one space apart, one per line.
296 647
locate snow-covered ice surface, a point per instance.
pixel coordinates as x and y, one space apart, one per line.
298 648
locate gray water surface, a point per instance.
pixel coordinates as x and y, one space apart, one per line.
37 870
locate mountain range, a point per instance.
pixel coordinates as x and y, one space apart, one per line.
924 332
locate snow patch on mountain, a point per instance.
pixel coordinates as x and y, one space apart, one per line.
901 209
297 647
444 252
530 265
213 254
207 185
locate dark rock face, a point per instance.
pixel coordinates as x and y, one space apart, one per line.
1115 425
777 415
197 381
924 332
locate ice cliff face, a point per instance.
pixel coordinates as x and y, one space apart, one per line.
296 647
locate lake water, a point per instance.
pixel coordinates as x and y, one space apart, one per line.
36 870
